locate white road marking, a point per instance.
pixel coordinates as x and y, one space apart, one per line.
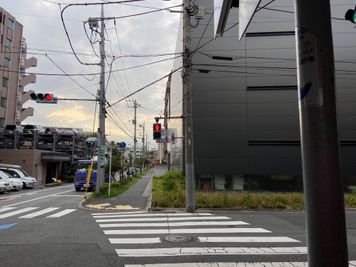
38 198
61 213
16 212
2 209
229 264
172 224
185 231
210 251
248 239
148 188
38 213
118 215
153 240
122 213
169 219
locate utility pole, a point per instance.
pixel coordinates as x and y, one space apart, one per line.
187 112
135 139
323 188
101 131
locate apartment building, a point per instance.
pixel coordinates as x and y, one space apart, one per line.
13 63
245 105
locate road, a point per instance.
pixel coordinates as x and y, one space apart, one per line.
48 228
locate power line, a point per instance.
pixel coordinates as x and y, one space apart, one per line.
70 77
90 74
113 120
144 87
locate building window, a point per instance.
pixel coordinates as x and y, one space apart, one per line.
10 24
2 123
272 87
5 82
264 34
8 43
3 102
7 62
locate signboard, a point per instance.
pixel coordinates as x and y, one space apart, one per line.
121 145
246 11
221 12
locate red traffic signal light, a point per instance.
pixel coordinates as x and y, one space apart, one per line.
157 131
157 127
44 98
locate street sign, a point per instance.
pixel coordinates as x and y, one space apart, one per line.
246 11
121 145
221 12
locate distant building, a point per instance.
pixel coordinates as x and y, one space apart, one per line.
13 63
245 108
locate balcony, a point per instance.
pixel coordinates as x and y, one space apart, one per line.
28 79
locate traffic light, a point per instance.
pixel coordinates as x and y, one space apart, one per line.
157 130
351 15
44 98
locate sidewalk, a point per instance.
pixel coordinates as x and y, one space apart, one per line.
137 197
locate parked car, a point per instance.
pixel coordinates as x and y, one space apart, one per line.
4 184
16 171
30 128
12 128
15 183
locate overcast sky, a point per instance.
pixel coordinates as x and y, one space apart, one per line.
154 33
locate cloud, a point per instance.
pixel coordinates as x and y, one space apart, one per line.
149 34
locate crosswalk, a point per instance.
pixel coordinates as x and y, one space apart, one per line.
33 212
184 239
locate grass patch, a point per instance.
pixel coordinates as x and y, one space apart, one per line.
168 191
116 188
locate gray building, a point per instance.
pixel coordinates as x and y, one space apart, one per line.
245 108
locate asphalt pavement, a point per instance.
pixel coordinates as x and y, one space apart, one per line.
137 197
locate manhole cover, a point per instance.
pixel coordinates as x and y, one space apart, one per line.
178 238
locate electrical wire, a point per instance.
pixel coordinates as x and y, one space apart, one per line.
70 77
91 74
113 120
144 87
140 14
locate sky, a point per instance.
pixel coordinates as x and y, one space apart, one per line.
127 41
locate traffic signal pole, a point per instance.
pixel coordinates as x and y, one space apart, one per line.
323 187
187 113
101 131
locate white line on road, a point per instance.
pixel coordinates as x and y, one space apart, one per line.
38 213
122 213
3 209
210 251
61 213
16 212
118 215
153 240
247 239
185 231
172 224
229 264
38 198
170 219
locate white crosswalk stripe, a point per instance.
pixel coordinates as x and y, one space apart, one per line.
16 212
7 212
61 213
230 264
3 209
143 237
174 224
38 213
